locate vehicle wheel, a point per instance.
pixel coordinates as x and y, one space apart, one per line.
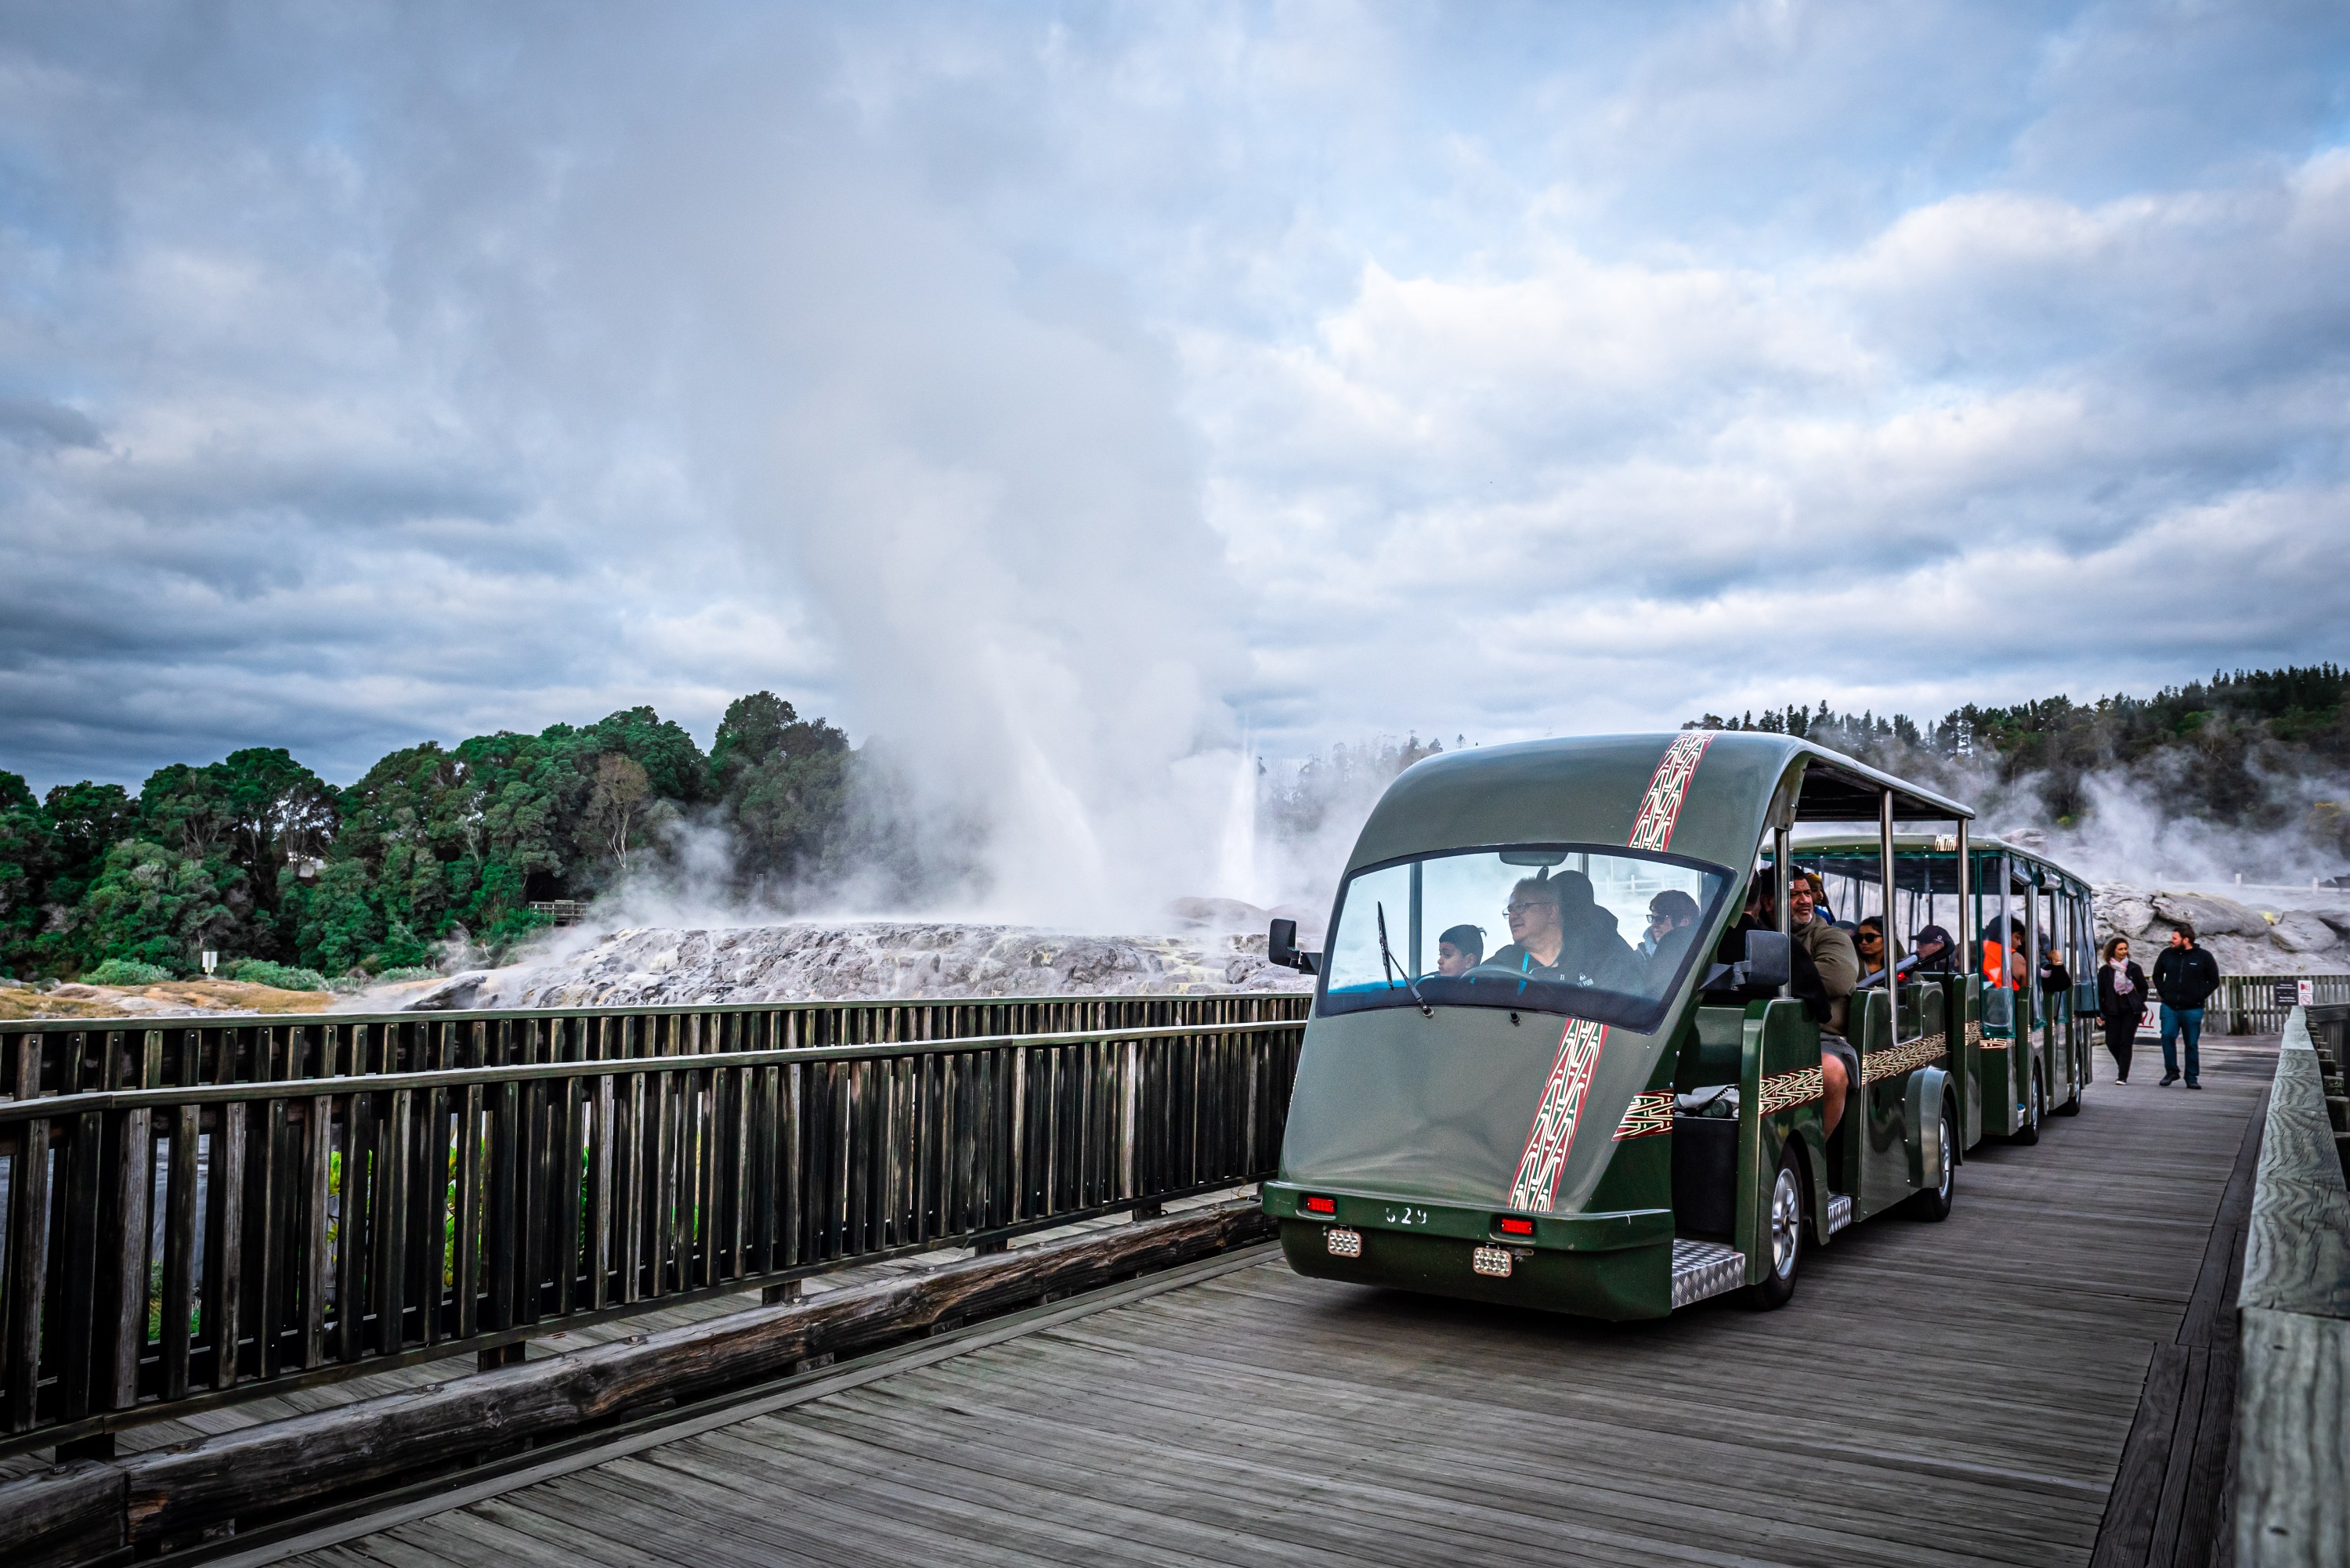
2071 1107
1934 1203
2029 1132
1784 1236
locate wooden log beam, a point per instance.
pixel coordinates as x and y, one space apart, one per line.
65 1514
301 1462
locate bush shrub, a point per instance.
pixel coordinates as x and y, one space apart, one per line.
128 971
285 977
416 971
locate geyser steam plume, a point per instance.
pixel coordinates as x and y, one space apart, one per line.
970 474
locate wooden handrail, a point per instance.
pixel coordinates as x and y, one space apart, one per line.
2293 1413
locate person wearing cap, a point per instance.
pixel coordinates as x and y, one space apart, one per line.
1937 953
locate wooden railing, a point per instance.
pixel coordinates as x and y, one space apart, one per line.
2247 1004
55 1056
241 1207
2293 1410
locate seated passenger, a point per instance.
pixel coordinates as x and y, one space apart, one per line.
1591 952
1761 914
1994 953
1869 938
1459 949
1937 953
1672 926
1838 963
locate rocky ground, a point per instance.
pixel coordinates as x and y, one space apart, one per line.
172 997
2246 939
867 959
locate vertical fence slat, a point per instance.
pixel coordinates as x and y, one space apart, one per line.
178 1293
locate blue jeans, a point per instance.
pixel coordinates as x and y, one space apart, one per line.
2175 1021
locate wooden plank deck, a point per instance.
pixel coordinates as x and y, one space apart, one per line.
1935 1395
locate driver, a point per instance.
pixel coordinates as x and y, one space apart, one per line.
1459 949
1559 933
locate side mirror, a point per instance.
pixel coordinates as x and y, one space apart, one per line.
1767 963
1281 947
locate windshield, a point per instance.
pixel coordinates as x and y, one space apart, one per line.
1605 934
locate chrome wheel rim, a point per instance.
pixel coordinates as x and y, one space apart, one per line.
1949 1142
1786 1224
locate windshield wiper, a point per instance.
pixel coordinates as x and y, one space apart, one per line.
1388 961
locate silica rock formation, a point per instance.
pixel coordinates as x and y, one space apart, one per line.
864 961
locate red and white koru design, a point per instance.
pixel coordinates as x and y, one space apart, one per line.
1544 1156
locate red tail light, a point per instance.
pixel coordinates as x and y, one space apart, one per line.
1322 1206
1512 1227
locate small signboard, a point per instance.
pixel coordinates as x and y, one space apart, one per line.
2308 992
2288 993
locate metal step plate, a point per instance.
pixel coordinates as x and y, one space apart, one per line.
1702 1269
1839 1212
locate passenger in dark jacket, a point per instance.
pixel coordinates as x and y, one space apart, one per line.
2121 1002
2185 977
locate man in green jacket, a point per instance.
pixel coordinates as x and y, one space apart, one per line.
1838 961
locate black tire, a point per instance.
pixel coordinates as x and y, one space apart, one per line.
2071 1107
1934 1202
2029 1132
1783 1232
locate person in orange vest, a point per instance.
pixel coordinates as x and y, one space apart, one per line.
1994 953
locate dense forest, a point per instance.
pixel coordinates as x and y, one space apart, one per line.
259 859
2263 753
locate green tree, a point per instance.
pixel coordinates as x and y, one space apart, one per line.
782 786
152 904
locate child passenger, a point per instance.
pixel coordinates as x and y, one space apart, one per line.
1459 949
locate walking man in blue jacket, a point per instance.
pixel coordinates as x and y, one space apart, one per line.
2184 977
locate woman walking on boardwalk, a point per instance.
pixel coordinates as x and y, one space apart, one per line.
2121 1002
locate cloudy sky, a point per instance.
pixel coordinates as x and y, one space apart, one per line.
1068 391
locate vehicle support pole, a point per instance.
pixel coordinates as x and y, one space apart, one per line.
1967 944
1884 870
1785 874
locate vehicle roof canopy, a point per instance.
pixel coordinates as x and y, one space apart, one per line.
1590 790
2034 865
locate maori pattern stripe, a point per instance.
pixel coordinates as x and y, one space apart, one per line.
1562 1105
1660 809
1543 1159
1923 1052
1800 1088
1646 1117
1974 1032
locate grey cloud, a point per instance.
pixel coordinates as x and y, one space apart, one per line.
43 425
1063 393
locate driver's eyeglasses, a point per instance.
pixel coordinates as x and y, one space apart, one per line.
1521 908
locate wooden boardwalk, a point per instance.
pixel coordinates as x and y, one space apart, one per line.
1953 1394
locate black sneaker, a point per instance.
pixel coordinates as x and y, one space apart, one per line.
2168 1079
2193 1085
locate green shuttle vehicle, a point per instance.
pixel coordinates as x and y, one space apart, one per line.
2025 1052
1628 1118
